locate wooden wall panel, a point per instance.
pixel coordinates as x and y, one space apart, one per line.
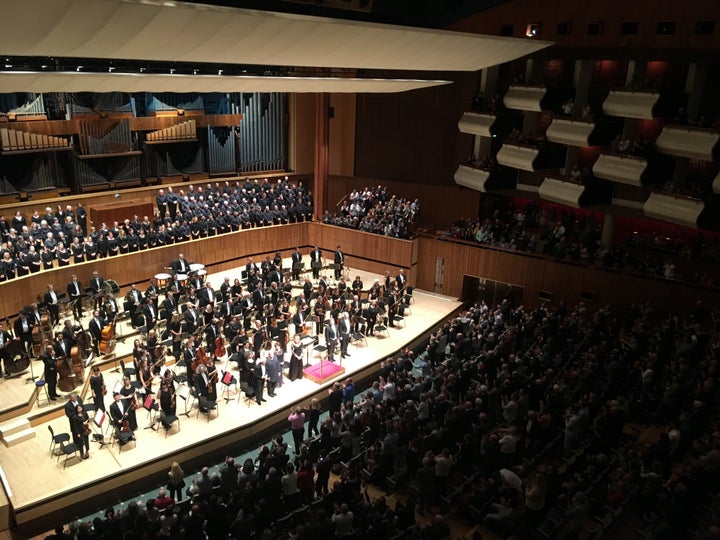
358 244
566 281
301 133
341 158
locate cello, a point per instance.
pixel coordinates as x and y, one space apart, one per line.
107 338
67 377
219 347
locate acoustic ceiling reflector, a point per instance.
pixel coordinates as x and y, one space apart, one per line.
173 31
128 82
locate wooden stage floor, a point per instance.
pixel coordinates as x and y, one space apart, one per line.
41 491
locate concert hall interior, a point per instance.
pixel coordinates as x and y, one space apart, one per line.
212 213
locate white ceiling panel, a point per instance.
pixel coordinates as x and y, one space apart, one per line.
123 82
184 32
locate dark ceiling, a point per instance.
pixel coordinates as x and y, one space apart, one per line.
419 13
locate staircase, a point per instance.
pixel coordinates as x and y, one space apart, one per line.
16 431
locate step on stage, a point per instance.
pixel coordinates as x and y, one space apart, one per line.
45 489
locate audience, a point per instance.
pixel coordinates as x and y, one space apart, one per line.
375 210
544 230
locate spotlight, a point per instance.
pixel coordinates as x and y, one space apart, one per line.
195 71
532 30
172 71
220 71
79 68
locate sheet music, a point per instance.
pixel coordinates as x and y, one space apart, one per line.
99 417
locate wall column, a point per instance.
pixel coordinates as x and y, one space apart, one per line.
608 230
322 144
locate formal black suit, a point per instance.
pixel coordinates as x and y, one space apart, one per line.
62 347
117 415
331 339
151 315
96 327
192 318
50 374
71 409
74 290
180 266
345 327
259 376
52 302
316 257
339 260
296 263
23 331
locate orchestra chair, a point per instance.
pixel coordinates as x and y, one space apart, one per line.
168 421
248 394
124 437
399 319
210 406
40 386
408 297
60 438
127 372
380 328
67 450
358 337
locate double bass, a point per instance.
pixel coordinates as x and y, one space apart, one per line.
68 378
107 338
219 347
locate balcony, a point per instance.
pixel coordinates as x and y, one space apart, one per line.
576 195
628 104
476 124
688 142
674 209
531 157
581 133
484 180
525 98
619 168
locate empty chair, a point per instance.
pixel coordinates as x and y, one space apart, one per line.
68 450
168 421
60 438
127 372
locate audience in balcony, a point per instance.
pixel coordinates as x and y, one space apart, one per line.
60 238
485 163
544 230
375 210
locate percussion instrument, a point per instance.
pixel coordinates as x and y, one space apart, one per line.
16 357
182 280
202 274
196 267
162 279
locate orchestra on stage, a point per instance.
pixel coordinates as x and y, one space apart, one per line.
262 320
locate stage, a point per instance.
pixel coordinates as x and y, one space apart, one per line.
43 492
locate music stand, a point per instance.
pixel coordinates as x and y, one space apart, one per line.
306 342
150 406
184 393
98 419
